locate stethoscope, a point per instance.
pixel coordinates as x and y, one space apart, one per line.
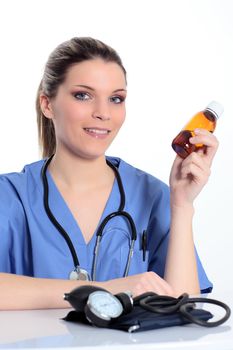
79 273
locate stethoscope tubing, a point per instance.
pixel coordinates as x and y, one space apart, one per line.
99 233
52 217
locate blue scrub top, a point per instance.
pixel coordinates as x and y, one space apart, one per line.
30 244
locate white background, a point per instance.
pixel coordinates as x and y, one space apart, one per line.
179 57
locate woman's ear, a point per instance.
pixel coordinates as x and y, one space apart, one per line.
46 107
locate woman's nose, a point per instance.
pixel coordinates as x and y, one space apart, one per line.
101 112
100 116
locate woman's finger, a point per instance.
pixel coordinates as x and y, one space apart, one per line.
209 140
149 282
195 174
197 159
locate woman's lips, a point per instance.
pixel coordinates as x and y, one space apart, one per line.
97 133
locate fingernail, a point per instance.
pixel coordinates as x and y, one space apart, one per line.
197 131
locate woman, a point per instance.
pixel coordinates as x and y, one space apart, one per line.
81 107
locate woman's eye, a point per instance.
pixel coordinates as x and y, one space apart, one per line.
117 99
82 96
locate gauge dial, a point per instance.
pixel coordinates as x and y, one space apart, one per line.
104 305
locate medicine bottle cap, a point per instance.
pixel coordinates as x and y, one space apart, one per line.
216 108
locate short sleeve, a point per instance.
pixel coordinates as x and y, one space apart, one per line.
15 242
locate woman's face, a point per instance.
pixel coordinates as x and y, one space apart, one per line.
89 108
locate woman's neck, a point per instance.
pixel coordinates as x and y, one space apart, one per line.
78 173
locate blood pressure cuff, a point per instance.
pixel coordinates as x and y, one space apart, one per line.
145 312
140 319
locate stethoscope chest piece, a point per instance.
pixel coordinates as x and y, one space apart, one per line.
79 274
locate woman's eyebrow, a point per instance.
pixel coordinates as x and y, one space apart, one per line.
90 88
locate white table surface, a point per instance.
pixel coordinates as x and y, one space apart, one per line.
44 329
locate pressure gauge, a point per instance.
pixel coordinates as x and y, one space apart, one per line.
102 307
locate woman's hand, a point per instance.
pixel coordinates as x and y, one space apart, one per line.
188 176
139 284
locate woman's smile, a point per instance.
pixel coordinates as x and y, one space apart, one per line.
97 132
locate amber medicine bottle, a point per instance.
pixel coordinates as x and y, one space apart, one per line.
205 119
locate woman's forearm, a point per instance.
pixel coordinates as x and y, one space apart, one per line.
181 268
21 292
